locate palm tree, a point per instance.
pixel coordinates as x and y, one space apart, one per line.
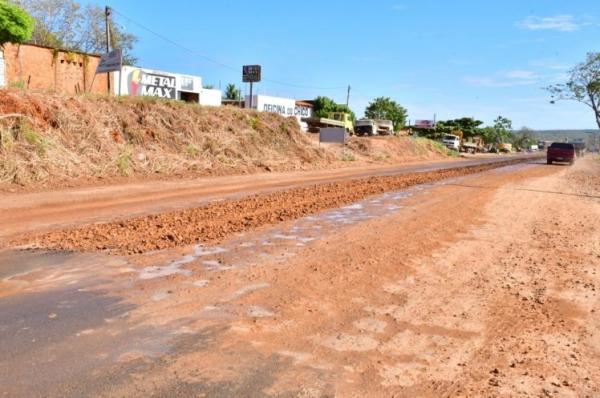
232 92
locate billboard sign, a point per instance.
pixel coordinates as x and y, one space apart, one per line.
251 73
145 83
110 62
332 134
284 106
425 124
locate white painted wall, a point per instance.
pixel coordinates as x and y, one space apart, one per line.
210 97
183 83
283 106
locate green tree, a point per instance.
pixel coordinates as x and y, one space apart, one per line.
499 133
524 138
387 109
470 127
66 24
325 105
16 25
232 92
582 86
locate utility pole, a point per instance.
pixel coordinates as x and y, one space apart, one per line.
348 96
107 13
251 84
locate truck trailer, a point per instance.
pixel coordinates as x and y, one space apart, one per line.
373 127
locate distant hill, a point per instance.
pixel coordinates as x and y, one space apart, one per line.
591 137
566 133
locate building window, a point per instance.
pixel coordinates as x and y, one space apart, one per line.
187 83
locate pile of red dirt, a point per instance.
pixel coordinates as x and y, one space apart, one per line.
221 219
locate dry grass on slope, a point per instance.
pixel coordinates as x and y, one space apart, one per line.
53 140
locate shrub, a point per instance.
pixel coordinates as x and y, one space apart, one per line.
125 161
16 25
192 150
348 157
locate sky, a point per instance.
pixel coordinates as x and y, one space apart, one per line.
435 57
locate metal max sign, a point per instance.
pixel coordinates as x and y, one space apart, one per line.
146 83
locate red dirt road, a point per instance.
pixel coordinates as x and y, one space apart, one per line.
49 210
480 286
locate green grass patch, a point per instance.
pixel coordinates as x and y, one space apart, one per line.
34 139
428 144
254 123
348 157
17 84
7 141
124 161
192 150
381 156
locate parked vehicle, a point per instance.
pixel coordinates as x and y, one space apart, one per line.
505 147
373 127
579 147
451 141
472 145
561 152
365 127
344 118
384 127
333 119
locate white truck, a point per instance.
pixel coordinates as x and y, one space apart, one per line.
373 127
451 141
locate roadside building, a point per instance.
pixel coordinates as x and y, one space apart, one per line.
148 82
287 107
70 72
44 68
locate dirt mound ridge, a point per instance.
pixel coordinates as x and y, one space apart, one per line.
218 220
392 149
52 139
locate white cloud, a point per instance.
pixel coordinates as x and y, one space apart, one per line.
561 23
521 74
549 64
398 7
511 78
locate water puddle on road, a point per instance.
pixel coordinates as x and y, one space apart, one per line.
281 242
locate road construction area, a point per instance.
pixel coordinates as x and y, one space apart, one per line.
474 278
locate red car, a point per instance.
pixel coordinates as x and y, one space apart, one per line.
561 152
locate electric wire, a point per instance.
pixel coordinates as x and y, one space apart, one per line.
212 60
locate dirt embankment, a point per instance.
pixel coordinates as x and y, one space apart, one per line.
221 219
51 140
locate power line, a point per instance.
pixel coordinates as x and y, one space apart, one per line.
214 61
209 59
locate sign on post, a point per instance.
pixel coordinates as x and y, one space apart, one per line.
145 83
425 124
251 73
110 62
332 134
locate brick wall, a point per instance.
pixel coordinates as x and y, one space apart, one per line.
44 68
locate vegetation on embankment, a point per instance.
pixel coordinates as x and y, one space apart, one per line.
52 140
47 138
